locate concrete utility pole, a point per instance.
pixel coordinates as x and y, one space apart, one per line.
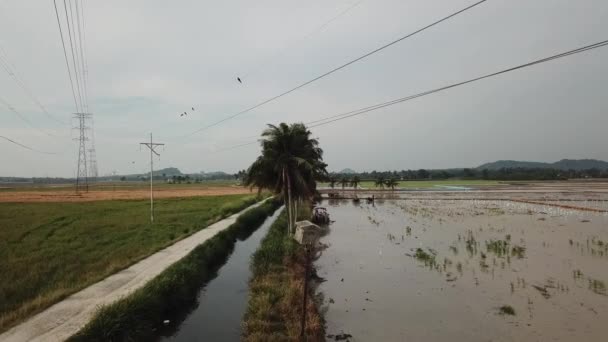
151 145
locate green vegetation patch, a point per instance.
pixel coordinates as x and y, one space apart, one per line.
135 317
51 250
275 297
506 310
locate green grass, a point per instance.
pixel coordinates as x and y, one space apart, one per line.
412 184
51 250
136 317
275 297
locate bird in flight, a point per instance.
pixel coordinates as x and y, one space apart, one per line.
193 109
239 79
184 113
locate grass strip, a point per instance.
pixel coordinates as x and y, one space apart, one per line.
275 296
137 316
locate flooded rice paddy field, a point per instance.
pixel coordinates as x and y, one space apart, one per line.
464 270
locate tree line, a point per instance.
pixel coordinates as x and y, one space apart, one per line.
516 173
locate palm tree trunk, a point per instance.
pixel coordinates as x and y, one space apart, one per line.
291 218
288 199
295 209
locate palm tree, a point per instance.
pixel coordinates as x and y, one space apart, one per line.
290 164
391 183
332 181
380 182
344 182
355 182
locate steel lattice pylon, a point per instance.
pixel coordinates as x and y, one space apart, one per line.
82 176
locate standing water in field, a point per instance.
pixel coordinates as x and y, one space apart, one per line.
469 270
221 304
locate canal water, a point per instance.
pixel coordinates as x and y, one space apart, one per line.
221 304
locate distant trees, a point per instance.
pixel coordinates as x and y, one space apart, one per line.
380 181
240 175
514 173
332 181
344 182
422 174
391 183
355 182
470 173
485 174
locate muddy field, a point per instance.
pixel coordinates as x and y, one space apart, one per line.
69 195
466 270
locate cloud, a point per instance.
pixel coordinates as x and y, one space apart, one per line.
150 60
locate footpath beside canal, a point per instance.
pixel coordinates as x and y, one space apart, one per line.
67 317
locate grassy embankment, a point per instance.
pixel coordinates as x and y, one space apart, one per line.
424 184
136 317
275 298
51 250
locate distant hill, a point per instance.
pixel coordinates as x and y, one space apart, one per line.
347 171
564 164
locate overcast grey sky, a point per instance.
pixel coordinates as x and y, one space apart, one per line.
151 60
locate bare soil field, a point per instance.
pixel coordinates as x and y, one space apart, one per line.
64 195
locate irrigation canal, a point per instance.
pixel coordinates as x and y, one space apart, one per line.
218 311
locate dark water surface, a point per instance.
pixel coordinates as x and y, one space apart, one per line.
222 302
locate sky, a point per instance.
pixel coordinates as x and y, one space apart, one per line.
148 61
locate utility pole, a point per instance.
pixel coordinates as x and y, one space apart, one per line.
151 145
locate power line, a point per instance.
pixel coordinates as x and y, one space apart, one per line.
67 64
82 56
338 68
11 70
79 109
360 111
24 146
306 36
23 118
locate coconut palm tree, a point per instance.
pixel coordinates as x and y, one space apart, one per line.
355 182
332 181
380 182
344 181
290 164
391 183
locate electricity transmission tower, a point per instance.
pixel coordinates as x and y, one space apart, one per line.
93 173
82 181
151 145
92 163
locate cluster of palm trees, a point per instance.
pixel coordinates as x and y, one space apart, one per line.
380 182
290 164
344 182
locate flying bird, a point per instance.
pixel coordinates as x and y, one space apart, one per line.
182 114
239 79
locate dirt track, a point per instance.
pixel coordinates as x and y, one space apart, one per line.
122 194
